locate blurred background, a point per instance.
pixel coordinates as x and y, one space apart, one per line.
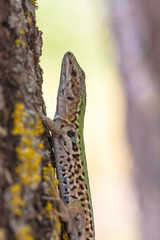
84 27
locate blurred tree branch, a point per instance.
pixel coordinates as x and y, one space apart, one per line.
136 25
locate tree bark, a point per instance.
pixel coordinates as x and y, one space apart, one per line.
25 178
136 25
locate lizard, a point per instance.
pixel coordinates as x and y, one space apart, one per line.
69 151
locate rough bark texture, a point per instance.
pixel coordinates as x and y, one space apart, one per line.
136 24
25 178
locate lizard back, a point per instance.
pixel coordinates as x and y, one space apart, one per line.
69 146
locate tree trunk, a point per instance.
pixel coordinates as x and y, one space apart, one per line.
25 178
136 26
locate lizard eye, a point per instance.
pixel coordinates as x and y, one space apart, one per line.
74 73
70 98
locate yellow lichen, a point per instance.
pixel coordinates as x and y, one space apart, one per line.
29 19
29 149
48 207
49 178
21 31
23 44
65 236
24 232
16 202
40 146
17 42
33 1
51 214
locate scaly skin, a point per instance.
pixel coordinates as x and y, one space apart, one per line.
67 129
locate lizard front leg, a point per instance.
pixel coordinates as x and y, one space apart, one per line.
50 125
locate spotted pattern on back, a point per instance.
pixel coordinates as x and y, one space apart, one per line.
69 147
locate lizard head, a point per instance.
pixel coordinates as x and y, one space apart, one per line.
71 99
